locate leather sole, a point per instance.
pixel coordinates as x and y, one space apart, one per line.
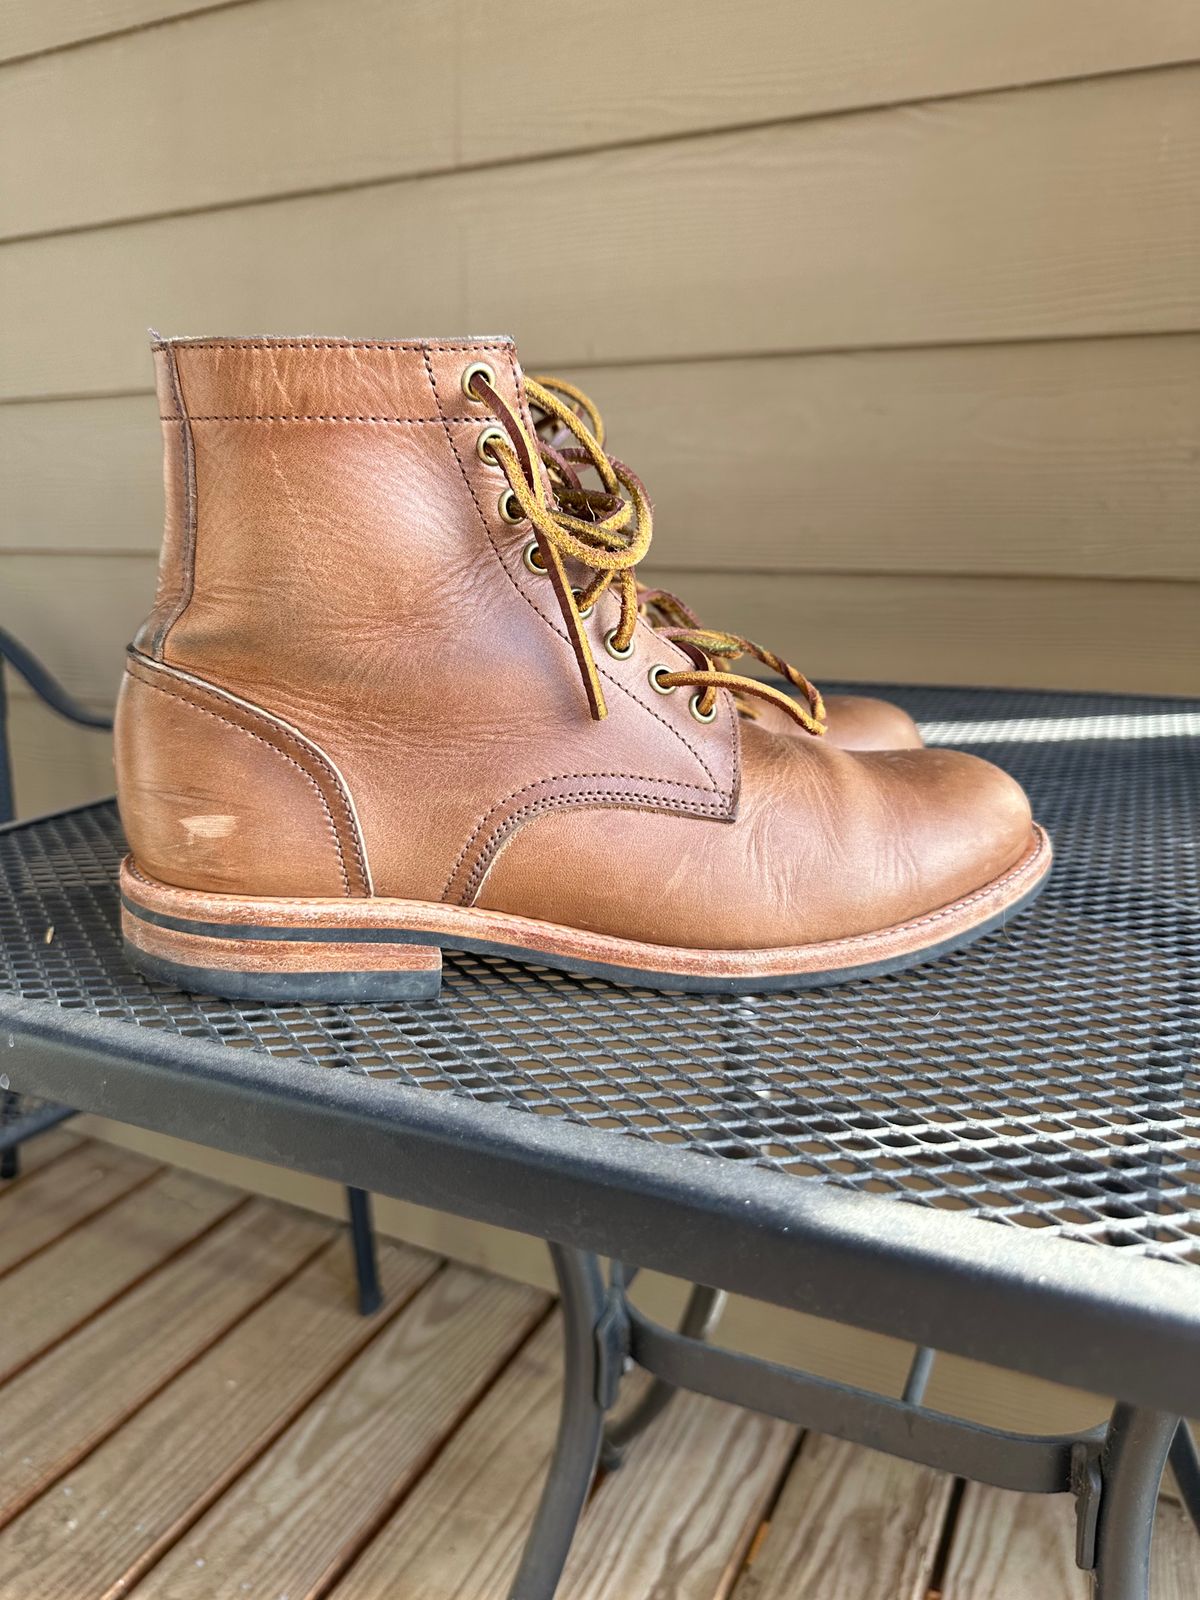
347 950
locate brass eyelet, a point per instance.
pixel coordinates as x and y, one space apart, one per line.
701 716
477 369
587 610
532 557
657 671
615 651
510 507
484 439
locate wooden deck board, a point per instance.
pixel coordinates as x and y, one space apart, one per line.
460 1531
59 1195
850 1522
1021 1547
676 1520
41 1150
680 1515
1013 1547
297 1517
65 1403
210 1417
65 1285
176 1455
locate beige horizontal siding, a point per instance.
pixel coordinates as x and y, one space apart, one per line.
285 95
78 612
1040 459
1066 210
33 26
81 475
1037 459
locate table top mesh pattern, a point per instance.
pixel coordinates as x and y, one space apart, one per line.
1046 1077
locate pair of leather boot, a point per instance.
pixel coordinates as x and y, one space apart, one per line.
401 692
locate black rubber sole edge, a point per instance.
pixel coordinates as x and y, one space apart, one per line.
288 988
346 988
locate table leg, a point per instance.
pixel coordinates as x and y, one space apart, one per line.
1131 1465
700 1317
580 1424
366 1267
10 1160
1185 1460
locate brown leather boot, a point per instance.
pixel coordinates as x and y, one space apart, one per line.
852 721
395 696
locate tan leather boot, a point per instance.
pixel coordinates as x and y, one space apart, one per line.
395 696
852 721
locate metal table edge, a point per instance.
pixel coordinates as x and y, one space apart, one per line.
1092 1317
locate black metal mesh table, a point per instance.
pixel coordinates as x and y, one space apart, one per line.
1044 1080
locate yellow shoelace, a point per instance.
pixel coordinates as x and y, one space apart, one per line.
562 407
608 534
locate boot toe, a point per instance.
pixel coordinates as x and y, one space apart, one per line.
957 824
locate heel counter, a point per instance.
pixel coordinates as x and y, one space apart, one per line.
214 796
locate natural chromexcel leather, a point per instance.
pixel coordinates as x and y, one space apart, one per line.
351 685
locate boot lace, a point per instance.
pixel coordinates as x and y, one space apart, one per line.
668 614
607 532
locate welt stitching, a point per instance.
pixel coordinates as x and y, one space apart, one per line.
282 754
545 803
987 892
857 941
559 777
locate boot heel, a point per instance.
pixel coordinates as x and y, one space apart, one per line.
287 966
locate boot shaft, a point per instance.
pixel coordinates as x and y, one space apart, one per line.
316 492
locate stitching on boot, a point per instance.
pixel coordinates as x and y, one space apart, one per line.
333 344
1034 857
277 730
716 787
279 416
525 813
188 553
204 711
616 682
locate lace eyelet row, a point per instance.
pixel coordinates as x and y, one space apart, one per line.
512 511
508 504
532 558
658 672
558 508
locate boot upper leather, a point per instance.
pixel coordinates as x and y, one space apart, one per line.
827 844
